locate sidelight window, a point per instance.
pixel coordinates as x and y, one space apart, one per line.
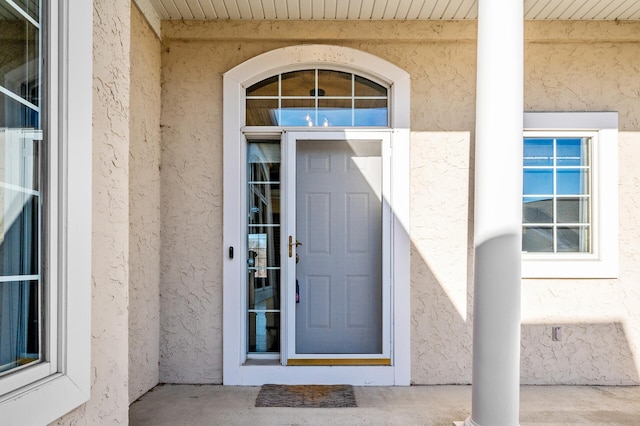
263 243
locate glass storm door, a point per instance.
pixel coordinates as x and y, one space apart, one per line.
336 234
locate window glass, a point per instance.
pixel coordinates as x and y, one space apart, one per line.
538 152
334 112
572 181
573 239
314 98
31 7
366 87
20 197
572 152
334 83
262 112
297 112
263 245
573 210
370 112
17 114
537 210
556 195
538 181
537 239
19 68
298 83
268 87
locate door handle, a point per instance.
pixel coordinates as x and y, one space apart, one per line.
291 244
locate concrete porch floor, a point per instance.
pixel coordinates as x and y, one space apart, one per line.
414 405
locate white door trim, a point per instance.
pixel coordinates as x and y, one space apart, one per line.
235 370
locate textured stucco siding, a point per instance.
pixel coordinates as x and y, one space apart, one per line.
599 318
191 208
440 300
110 253
568 67
144 208
581 67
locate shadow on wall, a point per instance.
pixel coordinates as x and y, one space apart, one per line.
588 352
585 353
577 353
440 336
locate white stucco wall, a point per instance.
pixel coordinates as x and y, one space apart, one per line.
110 252
569 67
144 208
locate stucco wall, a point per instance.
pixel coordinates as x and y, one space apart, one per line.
144 208
440 299
588 67
110 254
568 67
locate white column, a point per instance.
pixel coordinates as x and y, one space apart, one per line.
498 214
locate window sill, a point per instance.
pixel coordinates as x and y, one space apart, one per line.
563 267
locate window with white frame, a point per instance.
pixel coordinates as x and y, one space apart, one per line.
45 175
21 196
569 196
556 196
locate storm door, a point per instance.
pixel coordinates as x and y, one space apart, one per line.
337 267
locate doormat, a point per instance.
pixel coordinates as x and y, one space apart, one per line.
306 396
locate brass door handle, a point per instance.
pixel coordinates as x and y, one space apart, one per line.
291 244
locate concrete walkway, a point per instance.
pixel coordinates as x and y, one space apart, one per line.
416 405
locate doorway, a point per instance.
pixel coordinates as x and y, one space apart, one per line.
318 176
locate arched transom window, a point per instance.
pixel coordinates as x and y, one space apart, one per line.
317 97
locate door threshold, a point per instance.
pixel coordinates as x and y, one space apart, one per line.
256 361
339 361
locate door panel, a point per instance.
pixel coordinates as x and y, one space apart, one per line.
339 223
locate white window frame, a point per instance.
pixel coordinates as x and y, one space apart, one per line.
60 383
602 260
236 80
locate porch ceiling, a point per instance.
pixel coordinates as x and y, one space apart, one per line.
387 9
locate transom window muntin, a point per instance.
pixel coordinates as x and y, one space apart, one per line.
558 193
317 98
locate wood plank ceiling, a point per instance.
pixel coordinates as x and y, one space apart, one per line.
388 9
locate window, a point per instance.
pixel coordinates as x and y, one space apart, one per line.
45 185
263 243
21 283
556 194
569 197
316 97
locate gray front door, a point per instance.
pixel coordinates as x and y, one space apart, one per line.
339 225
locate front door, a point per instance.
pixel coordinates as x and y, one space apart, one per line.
336 265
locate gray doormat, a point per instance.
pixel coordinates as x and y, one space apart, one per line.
306 396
